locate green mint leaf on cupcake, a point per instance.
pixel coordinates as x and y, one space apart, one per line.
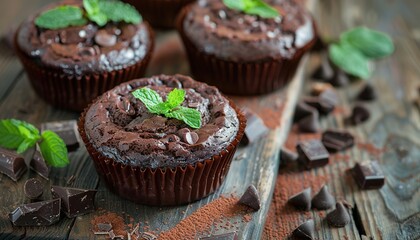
53 149
253 7
117 11
20 136
61 17
171 108
94 13
357 47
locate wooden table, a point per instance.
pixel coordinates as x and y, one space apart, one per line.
391 213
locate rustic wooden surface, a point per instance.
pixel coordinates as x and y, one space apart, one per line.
259 167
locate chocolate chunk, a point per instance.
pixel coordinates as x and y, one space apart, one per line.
319 87
369 175
323 200
104 39
359 114
36 214
287 156
339 217
301 200
340 78
67 130
325 71
367 93
251 198
255 128
312 154
39 165
104 227
305 231
325 102
33 188
310 123
190 137
302 110
75 202
335 140
12 164
224 236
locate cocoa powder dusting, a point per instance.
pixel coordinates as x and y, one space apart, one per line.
204 218
370 148
115 220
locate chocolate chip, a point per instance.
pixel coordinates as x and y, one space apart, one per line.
335 140
369 175
305 231
36 214
12 164
287 156
33 188
104 39
302 110
312 154
104 227
323 200
301 200
190 138
339 217
325 71
67 130
224 236
340 78
309 124
39 165
368 93
359 114
75 202
255 128
251 198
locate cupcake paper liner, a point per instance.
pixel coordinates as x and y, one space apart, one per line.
159 13
75 92
239 78
164 186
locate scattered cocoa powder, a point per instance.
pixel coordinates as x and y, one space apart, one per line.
115 220
370 148
295 136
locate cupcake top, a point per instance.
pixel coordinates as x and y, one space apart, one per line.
234 35
121 127
86 47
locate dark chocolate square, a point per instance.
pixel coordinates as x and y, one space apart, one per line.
369 175
255 128
12 164
67 130
312 154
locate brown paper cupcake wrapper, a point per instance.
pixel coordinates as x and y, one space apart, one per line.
239 78
165 186
159 13
76 92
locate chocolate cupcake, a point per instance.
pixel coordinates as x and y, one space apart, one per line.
160 13
245 53
70 61
156 160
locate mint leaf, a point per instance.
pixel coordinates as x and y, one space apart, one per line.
372 44
151 99
61 17
349 60
25 145
53 149
175 98
120 12
253 7
191 117
94 12
16 134
235 4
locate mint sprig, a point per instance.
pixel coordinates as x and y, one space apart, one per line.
20 136
98 11
253 7
171 108
357 47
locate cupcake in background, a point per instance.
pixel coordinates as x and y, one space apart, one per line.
164 140
245 47
159 13
73 51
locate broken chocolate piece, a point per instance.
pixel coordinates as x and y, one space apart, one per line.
335 140
305 231
39 165
255 128
359 114
367 93
251 198
67 130
325 71
74 201
325 102
33 188
287 156
104 227
12 164
340 78
310 123
323 200
312 154
224 236
339 217
301 200
36 214
302 110
369 175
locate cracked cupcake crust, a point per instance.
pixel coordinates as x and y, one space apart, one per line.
232 35
120 127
